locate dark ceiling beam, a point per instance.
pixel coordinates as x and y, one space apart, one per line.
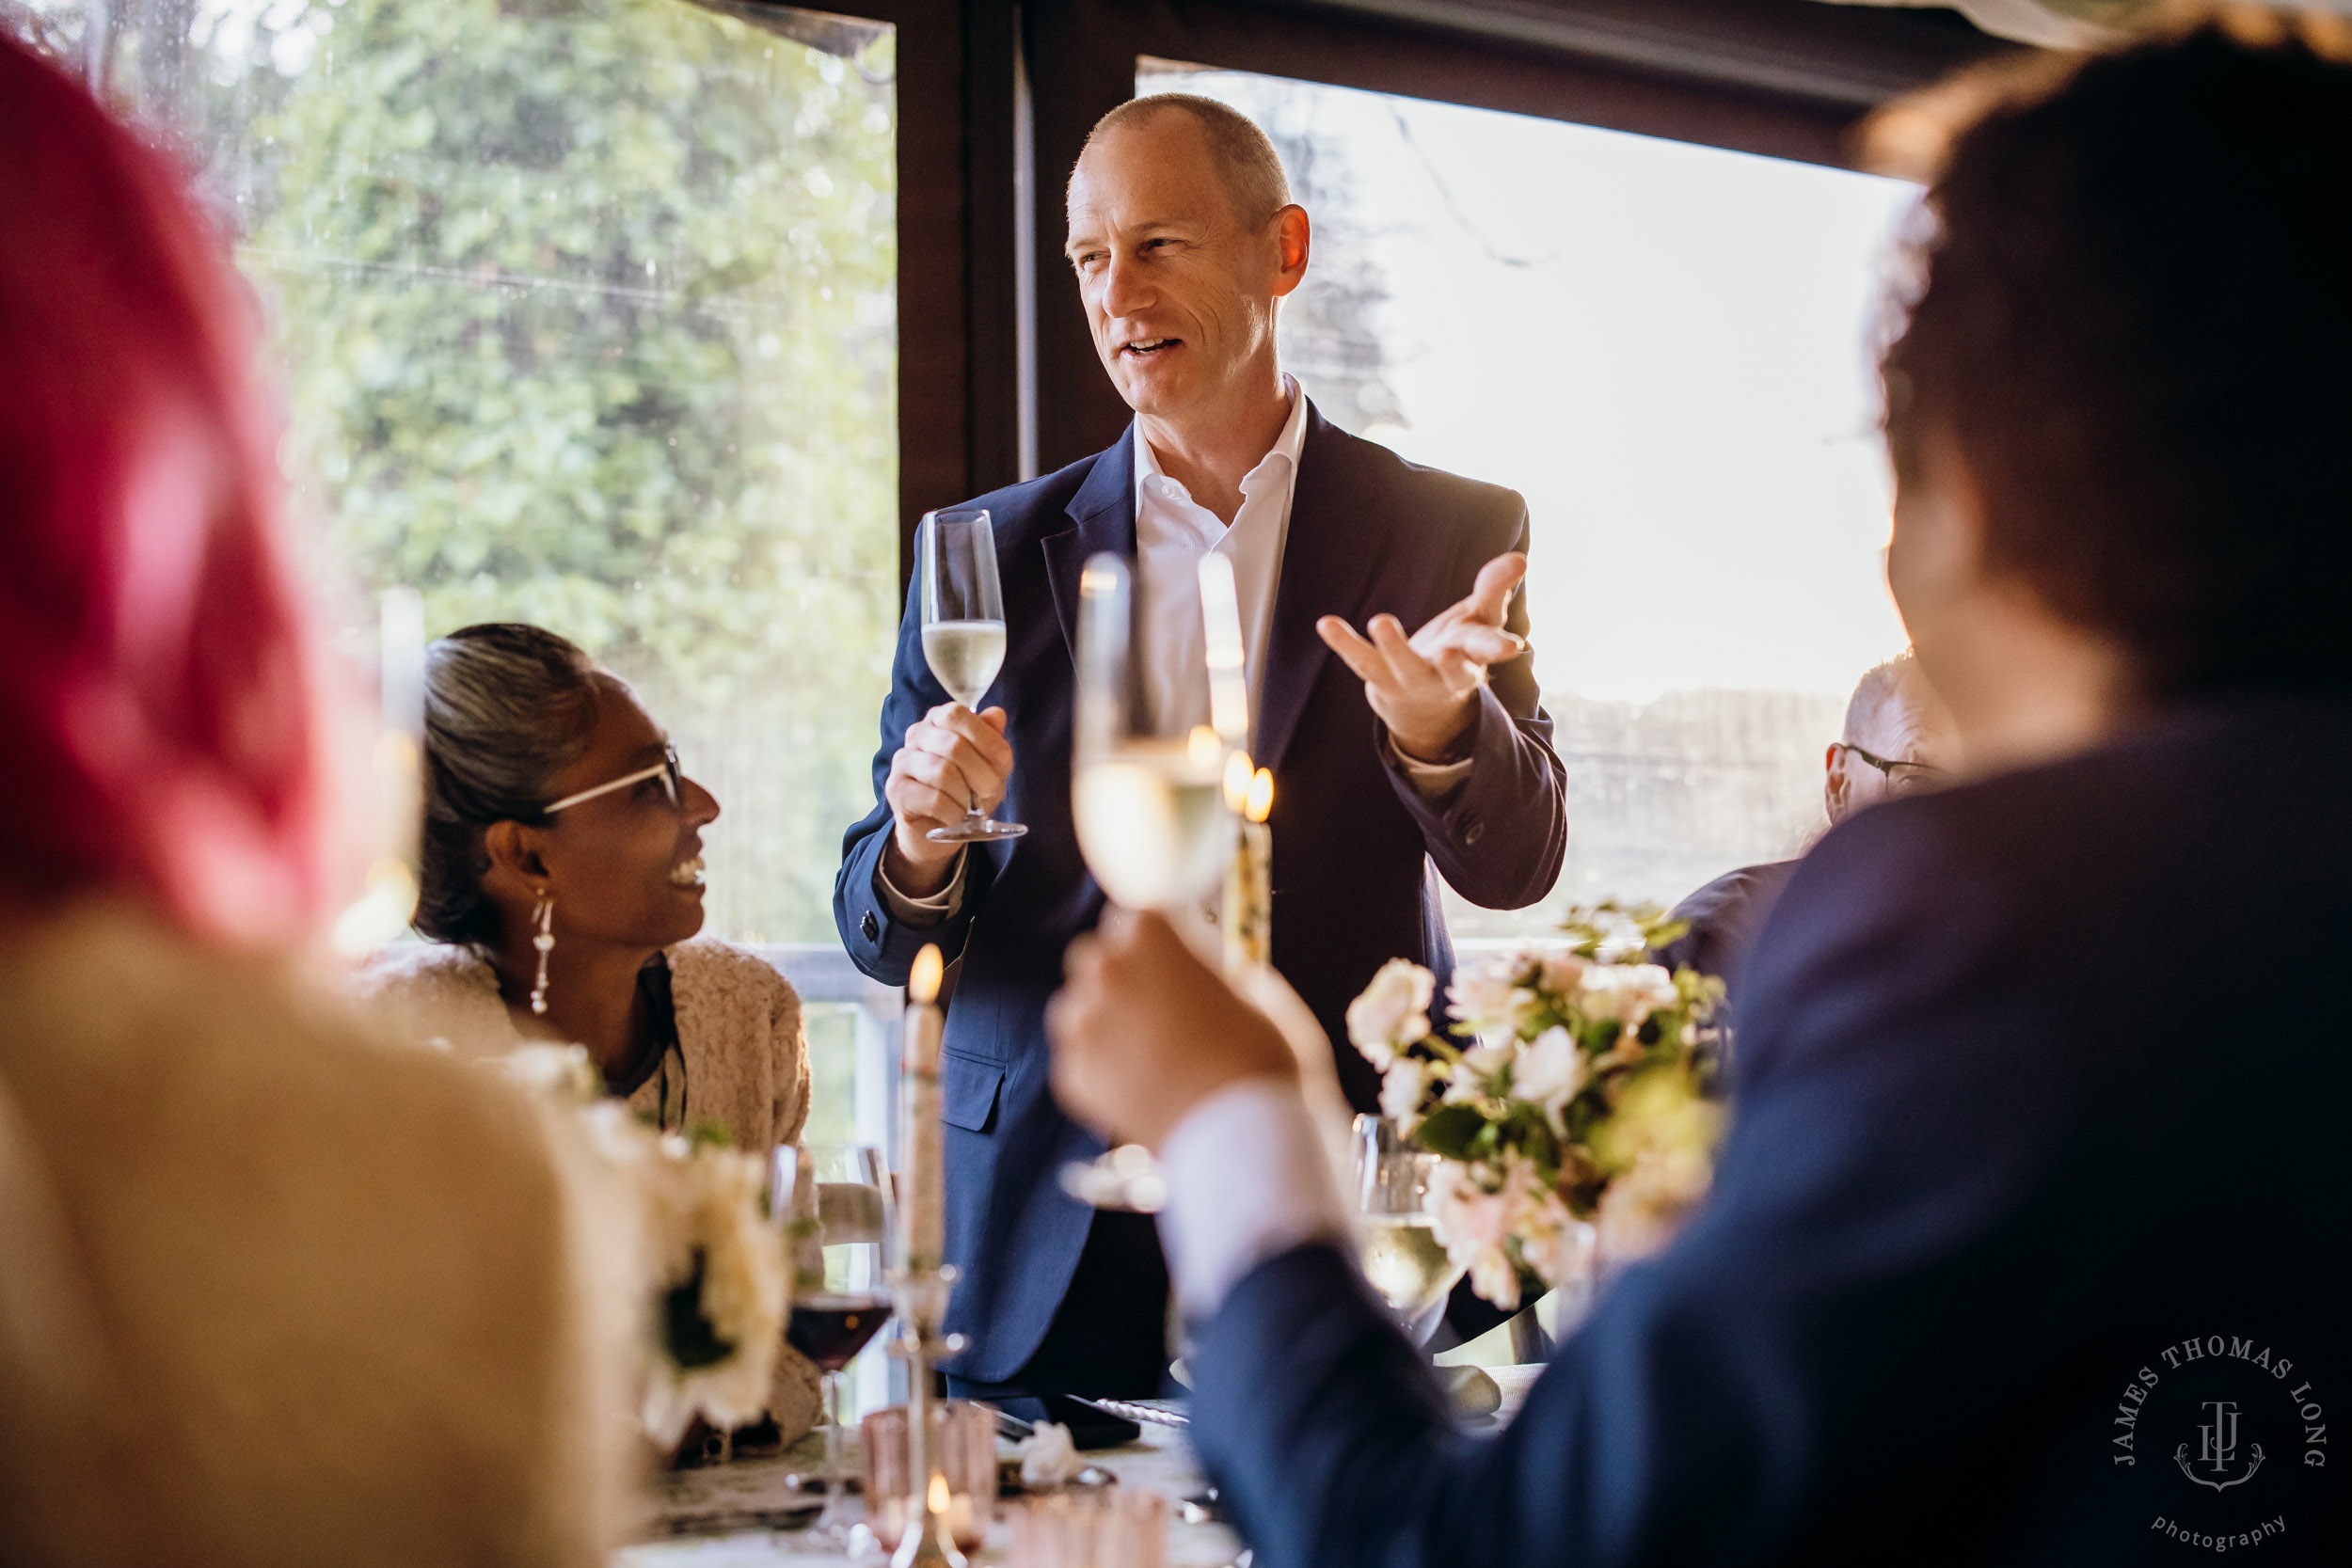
1852 57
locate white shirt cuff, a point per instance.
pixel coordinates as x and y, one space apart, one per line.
1246 1182
920 914
1431 778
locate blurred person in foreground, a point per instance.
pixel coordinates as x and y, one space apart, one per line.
1897 740
2026 1244
272 1288
555 806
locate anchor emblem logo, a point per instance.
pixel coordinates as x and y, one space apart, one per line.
2217 1450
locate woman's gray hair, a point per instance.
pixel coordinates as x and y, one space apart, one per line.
507 707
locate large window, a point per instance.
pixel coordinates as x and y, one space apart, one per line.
1666 349
584 313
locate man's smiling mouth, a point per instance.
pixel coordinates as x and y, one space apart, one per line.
1143 348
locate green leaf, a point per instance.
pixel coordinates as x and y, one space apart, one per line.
687 1336
1451 1130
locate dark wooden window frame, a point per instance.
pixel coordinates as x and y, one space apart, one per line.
997 377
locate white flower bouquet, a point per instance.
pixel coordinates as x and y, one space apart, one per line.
715 1273
1566 1099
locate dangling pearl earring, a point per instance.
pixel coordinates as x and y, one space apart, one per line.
545 943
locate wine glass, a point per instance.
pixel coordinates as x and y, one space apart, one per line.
963 631
840 1298
1397 1243
1147 789
1150 794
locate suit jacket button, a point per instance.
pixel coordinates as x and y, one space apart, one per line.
869 927
1472 829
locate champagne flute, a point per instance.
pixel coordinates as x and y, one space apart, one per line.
1397 1243
963 631
840 1298
1149 795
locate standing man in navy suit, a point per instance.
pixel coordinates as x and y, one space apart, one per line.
2025 1245
1417 740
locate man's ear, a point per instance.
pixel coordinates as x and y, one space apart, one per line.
1294 236
1834 783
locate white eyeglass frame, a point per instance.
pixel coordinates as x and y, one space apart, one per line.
668 765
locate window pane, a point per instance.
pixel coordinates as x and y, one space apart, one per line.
1665 348
584 311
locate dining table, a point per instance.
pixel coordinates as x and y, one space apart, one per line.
749 1512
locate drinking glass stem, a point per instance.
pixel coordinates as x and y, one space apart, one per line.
831 1519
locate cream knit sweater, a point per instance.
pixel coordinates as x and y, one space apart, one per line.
739 1027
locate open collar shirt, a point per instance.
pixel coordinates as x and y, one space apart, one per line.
1173 533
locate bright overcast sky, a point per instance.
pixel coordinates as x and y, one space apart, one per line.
1677 380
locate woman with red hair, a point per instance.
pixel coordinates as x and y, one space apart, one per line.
271 1289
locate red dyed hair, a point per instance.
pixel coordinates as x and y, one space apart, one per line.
159 679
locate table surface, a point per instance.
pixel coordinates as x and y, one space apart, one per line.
1161 1461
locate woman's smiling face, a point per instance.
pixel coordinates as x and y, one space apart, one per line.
624 867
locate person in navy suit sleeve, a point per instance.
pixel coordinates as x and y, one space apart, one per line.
2026 1242
1418 741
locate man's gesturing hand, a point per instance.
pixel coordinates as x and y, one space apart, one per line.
1144 1031
1425 687
952 758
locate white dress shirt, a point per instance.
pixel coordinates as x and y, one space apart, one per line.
1172 532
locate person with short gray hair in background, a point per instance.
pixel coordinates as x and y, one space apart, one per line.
1899 739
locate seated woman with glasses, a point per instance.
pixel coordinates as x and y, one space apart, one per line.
562 879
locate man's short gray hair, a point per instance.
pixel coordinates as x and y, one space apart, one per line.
1879 698
1246 163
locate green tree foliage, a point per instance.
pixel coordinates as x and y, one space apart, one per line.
585 315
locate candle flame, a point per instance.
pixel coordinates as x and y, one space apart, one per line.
923 984
1201 746
1236 781
939 1492
1260 805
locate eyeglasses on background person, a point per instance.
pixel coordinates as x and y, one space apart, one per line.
1903 777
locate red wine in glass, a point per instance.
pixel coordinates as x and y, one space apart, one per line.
829 1328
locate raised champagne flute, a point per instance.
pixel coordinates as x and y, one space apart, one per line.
840 1297
963 631
1149 796
1397 1243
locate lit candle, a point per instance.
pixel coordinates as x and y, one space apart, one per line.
923 1190
1250 890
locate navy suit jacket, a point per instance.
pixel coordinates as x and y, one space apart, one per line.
1353 839
2041 1085
1727 916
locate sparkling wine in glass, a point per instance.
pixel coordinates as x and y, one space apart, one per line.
1150 799
1147 789
963 630
1397 1242
840 1304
